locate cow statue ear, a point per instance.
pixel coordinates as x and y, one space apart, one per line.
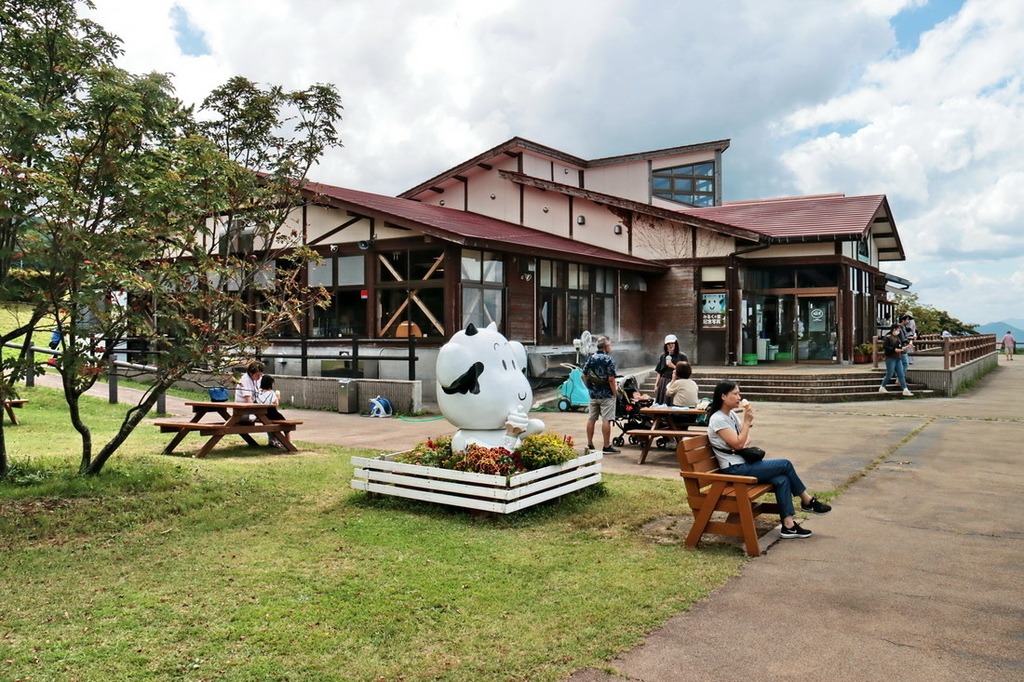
493 326
471 329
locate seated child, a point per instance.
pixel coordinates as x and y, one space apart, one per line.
266 395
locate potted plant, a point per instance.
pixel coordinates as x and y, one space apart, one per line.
863 353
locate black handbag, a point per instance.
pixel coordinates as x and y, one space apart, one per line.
751 455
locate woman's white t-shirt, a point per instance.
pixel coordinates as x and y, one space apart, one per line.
718 421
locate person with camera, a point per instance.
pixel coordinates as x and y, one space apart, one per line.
730 440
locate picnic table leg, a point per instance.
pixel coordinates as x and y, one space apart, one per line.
10 413
647 448
178 437
205 450
249 439
285 439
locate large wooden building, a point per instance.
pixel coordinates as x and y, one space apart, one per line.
548 245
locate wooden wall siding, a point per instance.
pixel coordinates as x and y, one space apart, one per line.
520 305
670 307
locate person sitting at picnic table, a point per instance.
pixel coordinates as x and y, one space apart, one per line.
248 386
727 434
268 396
682 390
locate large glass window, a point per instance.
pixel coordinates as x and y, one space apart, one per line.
344 278
483 284
693 184
574 298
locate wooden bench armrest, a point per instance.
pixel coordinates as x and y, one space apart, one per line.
728 478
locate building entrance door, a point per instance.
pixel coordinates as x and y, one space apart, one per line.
816 329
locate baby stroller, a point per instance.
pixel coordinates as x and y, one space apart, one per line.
627 412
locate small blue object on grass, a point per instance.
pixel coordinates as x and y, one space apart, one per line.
218 394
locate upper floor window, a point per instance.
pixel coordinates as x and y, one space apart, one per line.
693 184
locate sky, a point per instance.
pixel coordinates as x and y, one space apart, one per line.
919 100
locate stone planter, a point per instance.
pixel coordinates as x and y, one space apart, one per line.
859 359
485 492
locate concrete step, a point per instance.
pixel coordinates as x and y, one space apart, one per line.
824 387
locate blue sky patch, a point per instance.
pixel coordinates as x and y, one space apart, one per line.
190 39
911 23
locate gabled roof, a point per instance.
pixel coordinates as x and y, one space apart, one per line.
519 144
828 217
470 229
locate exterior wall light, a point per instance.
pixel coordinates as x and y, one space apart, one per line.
580 220
617 229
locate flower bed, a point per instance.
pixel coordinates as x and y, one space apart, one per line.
431 472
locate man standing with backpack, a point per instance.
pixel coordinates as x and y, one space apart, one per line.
599 376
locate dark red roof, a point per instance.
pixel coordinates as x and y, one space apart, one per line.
472 229
799 218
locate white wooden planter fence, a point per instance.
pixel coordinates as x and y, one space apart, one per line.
485 492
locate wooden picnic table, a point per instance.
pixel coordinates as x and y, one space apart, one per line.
9 406
243 419
668 422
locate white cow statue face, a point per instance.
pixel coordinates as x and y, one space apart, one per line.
481 379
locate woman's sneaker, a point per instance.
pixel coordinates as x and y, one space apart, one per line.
795 532
815 507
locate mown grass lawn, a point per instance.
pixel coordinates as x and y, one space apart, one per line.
252 565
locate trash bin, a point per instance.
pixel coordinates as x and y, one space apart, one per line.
348 396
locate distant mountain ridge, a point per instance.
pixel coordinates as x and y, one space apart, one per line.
1015 326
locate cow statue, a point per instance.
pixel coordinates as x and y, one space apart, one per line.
482 389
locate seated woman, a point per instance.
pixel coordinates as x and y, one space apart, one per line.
682 390
266 395
727 434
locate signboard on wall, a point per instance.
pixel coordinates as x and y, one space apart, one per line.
712 311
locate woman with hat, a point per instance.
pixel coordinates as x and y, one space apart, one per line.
667 366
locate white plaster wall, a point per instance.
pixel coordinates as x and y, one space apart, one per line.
505 205
321 220
555 220
598 229
627 180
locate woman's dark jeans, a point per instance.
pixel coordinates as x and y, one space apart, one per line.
780 473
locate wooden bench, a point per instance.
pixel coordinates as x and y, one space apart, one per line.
708 491
649 437
9 406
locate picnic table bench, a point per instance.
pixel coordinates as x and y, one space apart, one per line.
9 406
669 424
235 419
709 491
